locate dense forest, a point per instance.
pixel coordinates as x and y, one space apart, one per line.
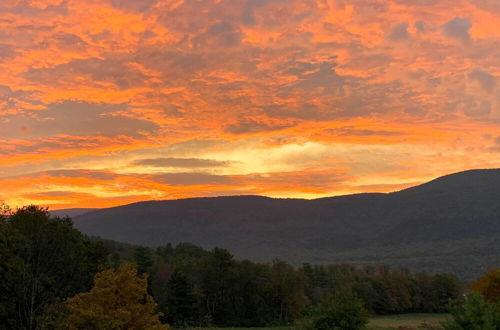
50 274
193 286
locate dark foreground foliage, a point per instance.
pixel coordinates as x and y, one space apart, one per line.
44 262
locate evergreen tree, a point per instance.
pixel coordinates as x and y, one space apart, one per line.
143 257
217 282
180 304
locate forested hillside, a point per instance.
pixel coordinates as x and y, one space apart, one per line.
53 277
449 224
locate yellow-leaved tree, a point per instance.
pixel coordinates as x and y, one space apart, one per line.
489 285
118 300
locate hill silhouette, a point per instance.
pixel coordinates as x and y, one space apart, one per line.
449 224
71 212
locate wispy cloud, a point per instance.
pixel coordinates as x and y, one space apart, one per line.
181 162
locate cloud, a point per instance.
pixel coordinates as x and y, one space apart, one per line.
221 34
193 179
248 15
181 162
421 26
36 151
7 51
325 77
485 79
256 125
352 131
69 41
57 195
115 70
306 181
399 32
75 118
458 28
90 174
133 5
496 146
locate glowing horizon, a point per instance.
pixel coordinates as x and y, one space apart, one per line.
109 102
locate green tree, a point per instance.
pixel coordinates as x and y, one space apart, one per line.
287 296
398 284
165 252
341 311
250 291
44 260
382 304
12 268
217 283
365 290
143 257
424 298
118 301
444 288
180 304
473 313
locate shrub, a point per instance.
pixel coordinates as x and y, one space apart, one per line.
342 311
472 312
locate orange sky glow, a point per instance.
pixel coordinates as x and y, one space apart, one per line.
108 102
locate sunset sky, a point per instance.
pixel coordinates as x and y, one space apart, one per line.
107 102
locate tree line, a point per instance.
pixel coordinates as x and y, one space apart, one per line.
195 287
49 272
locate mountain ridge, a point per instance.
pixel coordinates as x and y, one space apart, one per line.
461 209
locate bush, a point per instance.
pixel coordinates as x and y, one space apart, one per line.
342 311
473 313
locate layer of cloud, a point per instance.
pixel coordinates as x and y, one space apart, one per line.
178 89
181 162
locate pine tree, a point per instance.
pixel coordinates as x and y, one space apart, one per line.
180 303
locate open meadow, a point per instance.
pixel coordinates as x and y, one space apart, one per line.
401 322
407 321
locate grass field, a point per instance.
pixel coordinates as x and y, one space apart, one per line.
391 322
406 321
268 328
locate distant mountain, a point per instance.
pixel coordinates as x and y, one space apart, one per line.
71 212
449 224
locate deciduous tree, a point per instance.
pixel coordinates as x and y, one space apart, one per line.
43 260
489 285
118 300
